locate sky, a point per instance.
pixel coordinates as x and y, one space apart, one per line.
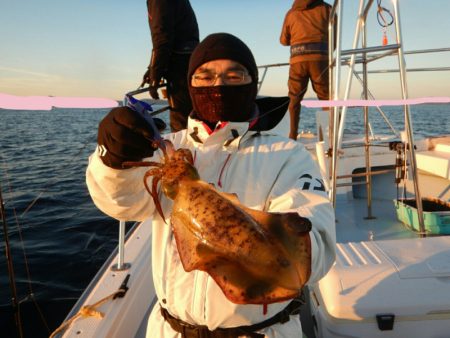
101 48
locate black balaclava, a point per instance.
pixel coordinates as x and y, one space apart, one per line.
223 103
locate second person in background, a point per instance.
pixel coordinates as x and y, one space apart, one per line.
305 29
175 34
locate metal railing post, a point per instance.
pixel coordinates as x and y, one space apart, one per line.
408 122
121 265
336 97
362 14
366 116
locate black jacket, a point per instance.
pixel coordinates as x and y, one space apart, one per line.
174 29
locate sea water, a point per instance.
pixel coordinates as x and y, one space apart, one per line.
58 238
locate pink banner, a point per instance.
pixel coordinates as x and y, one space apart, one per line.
372 103
47 102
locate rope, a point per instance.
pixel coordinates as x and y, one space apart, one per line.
381 19
87 311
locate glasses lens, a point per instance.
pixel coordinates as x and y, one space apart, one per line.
231 77
204 79
234 77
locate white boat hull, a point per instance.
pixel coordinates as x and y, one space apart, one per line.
391 288
127 316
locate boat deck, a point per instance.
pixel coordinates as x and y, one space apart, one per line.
436 161
352 224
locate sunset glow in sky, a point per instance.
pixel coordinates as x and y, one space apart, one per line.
101 48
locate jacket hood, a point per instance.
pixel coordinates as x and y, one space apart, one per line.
271 112
306 4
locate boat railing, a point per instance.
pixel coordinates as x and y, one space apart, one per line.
362 54
408 70
264 70
360 49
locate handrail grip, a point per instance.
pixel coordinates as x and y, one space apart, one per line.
417 51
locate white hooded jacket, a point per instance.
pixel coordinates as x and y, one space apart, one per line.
267 172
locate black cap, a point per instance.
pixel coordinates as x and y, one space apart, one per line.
223 46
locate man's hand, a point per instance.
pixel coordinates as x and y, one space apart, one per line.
153 83
153 90
124 135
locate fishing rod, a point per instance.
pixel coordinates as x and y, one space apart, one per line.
159 111
146 89
12 282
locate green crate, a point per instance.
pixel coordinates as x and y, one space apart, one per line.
436 215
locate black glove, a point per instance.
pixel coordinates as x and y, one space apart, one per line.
157 70
153 83
124 135
153 89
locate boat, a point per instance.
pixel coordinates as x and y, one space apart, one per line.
390 279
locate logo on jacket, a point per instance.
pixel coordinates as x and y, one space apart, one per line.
102 150
317 184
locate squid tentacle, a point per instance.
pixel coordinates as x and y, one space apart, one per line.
157 173
155 196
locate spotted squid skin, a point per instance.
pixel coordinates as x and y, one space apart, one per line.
217 235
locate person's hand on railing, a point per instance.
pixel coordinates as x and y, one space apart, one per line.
153 82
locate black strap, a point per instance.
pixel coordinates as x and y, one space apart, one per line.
200 331
309 48
282 317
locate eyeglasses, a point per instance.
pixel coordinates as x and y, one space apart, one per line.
231 77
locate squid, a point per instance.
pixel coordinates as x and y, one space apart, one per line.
255 257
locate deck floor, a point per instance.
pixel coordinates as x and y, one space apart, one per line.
352 224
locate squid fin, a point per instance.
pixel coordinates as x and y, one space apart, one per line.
232 197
